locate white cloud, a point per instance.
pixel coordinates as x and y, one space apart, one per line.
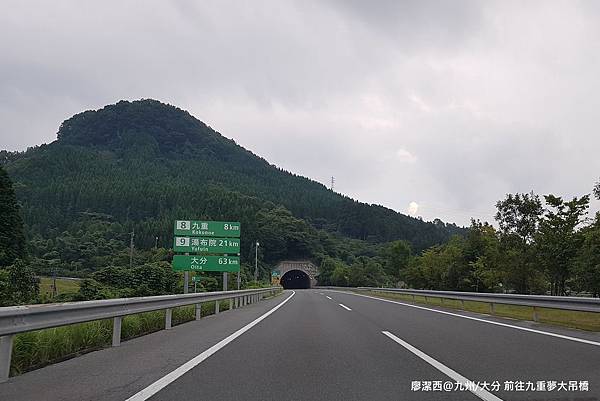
413 208
421 104
405 156
492 97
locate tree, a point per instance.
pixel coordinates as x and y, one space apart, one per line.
518 217
326 270
18 285
597 190
398 255
587 264
559 239
12 239
481 253
339 277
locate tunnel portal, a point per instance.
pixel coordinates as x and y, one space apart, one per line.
295 274
295 279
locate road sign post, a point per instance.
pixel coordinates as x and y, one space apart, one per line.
186 281
206 246
207 263
198 228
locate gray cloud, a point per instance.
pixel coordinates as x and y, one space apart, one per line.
446 104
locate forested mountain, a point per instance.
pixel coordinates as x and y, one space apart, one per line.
143 164
138 166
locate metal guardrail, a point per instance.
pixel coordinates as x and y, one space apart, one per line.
580 304
20 319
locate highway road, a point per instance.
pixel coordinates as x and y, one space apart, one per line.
326 345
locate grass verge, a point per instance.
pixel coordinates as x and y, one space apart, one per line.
62 286
589 321
39 348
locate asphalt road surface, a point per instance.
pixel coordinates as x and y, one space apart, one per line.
327 345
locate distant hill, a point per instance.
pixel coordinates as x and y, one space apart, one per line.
145 163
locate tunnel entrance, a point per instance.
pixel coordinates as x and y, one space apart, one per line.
295 279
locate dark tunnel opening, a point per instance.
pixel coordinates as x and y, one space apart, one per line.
295 279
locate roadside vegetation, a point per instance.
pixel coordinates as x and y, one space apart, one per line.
39 348
541 246
574 319
63 286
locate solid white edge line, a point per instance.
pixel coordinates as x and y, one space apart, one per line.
344 306
546 333
328 297
164 381
478 391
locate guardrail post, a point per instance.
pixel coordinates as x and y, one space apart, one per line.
492 308
413 297
536 318
462 303
442 301
6 345
116 340
230 303
216 307
237 302
426 301
168 317
198 311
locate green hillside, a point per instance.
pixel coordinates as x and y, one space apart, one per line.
140 165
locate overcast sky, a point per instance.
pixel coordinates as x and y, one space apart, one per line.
436 108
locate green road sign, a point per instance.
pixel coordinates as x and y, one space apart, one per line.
206 245
206 263
198 228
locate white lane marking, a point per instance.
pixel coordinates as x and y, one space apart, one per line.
344 306
546 333
327 296
180 371
321 293
478 391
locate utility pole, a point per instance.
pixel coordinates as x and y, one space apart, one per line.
332 182
131 249
186 279
54 290
256 262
